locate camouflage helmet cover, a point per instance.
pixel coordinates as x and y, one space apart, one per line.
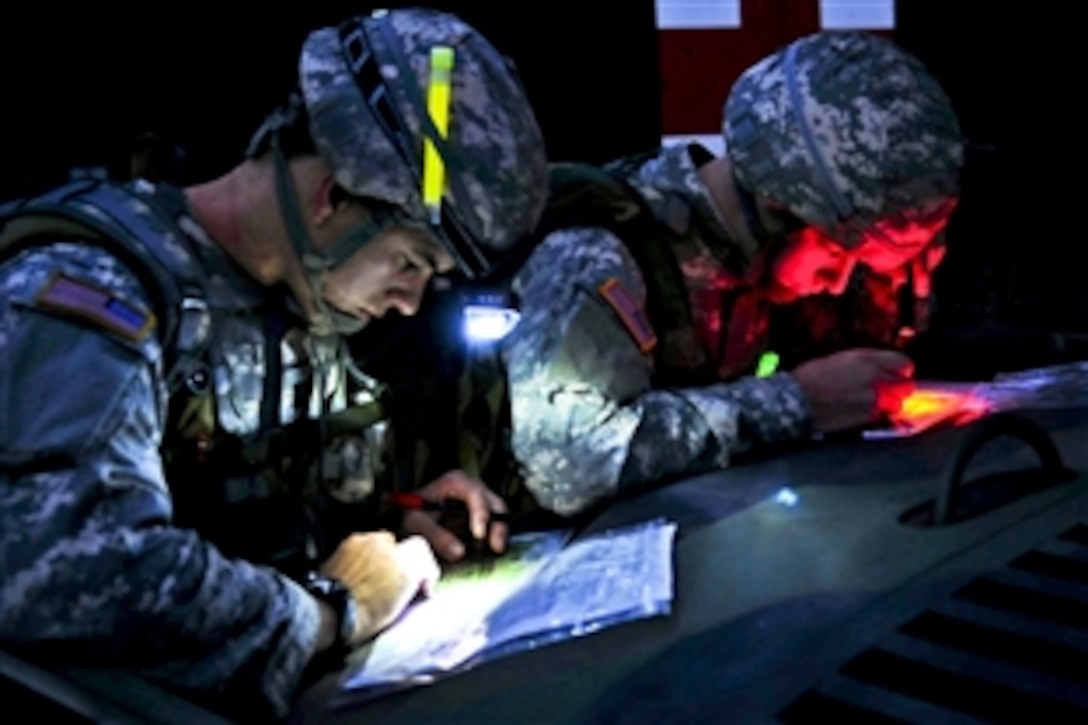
497 159
845 129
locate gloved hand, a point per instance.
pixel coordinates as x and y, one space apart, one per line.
383 575
854 388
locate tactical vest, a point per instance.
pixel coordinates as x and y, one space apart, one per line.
106 214
255 496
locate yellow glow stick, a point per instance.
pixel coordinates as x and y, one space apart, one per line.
438 106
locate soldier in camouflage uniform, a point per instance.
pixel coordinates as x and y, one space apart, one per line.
841 152
258 274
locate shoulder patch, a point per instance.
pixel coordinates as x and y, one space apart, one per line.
74 298
624 304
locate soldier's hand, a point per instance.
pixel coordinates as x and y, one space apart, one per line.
854 388
383 575
480 506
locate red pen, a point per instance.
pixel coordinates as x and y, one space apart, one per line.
412 502
415 502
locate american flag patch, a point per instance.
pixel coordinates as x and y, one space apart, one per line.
630 311
73 298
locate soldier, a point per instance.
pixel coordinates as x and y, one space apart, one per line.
151 335
633 361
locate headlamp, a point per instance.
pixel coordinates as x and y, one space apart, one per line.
488 316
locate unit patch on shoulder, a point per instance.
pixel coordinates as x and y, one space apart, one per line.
630 312
84 301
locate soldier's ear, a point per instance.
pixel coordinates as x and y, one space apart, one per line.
326 197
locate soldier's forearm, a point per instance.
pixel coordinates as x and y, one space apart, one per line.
751 412
694 430
162 597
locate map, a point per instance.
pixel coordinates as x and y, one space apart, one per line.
545 588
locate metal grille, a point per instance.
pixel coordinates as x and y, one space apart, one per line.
1011 642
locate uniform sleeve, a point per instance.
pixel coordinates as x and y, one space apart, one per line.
88 558
586 421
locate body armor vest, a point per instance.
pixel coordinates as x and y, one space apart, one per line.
244 449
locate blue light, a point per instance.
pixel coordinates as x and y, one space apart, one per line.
787 497
483 323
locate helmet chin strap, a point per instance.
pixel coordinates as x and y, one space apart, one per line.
337 322
316 265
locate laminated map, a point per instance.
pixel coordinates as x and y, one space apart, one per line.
545 588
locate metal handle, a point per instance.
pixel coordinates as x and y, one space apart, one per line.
982 432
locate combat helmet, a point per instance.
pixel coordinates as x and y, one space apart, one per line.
365 87
848 132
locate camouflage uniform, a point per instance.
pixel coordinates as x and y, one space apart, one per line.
89 556
94 566
592 413
586 419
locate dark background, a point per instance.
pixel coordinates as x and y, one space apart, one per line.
1013 287
79 85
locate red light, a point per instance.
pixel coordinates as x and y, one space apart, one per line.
927 407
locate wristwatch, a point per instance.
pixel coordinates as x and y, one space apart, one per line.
336 595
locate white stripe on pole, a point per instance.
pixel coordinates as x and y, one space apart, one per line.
857 14
689 14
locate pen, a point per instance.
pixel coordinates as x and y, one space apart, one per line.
415 502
